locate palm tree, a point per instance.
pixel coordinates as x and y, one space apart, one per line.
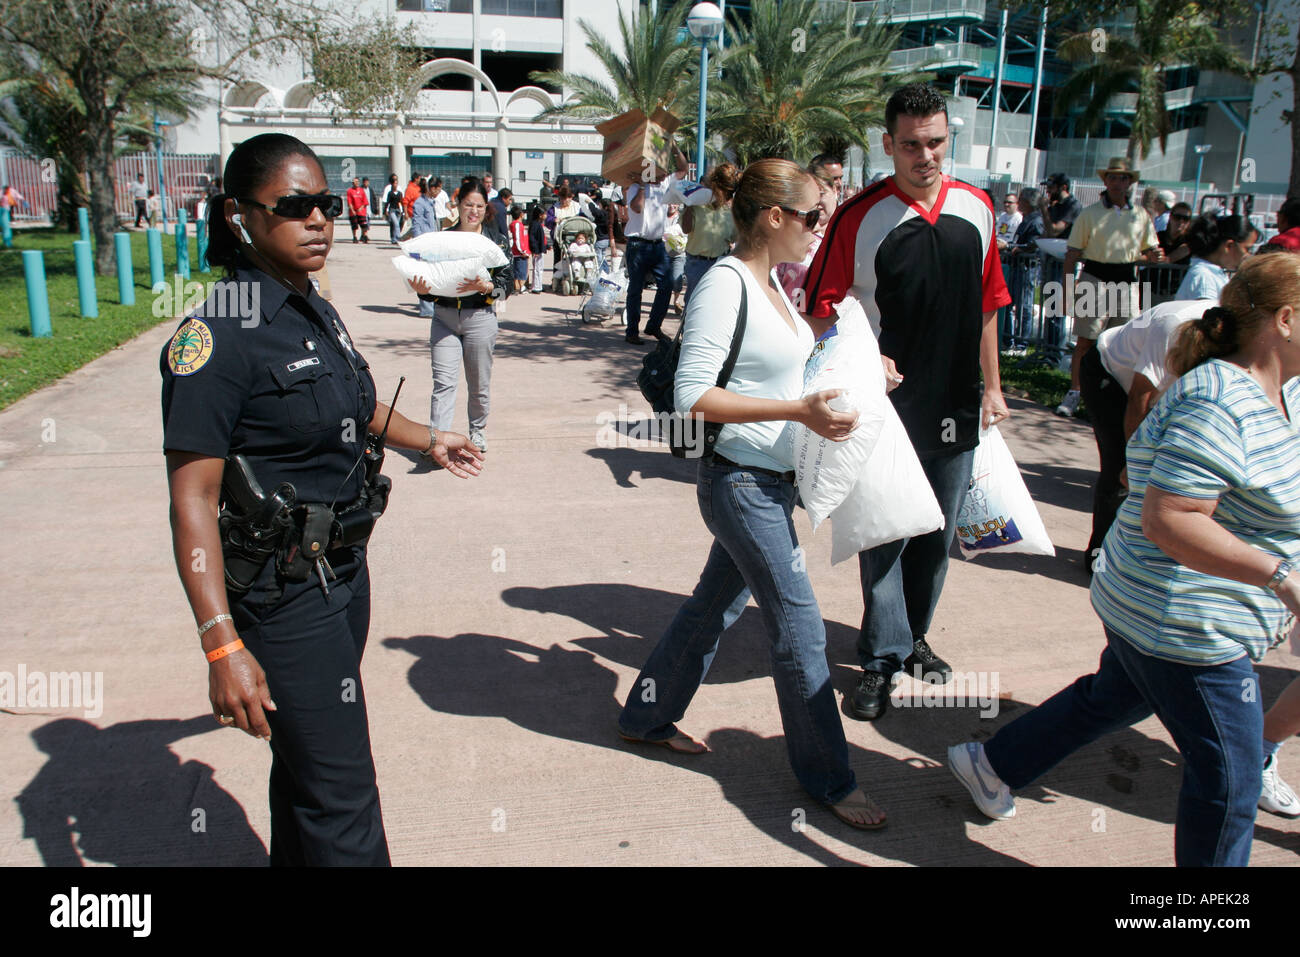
652 69
796 77
1165 34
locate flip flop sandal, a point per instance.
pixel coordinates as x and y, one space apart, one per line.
860 825
668 743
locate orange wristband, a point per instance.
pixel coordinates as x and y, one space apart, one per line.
216 654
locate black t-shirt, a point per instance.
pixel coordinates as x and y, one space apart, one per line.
601 220
925 280
1066 211
273 375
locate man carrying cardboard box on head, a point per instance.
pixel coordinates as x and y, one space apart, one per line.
636 155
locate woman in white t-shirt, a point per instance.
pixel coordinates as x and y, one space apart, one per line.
746 494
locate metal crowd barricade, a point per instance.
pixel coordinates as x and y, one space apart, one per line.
1038 320
1033 320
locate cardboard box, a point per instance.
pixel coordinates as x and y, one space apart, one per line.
637 147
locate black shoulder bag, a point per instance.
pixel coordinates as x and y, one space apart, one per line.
656 380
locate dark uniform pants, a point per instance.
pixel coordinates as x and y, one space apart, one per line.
324 800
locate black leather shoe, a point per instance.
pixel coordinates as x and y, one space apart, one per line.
924 665
635 340
871 697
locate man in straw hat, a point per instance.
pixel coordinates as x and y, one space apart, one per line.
1110 237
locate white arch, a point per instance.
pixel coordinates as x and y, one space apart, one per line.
427 71
300 95
248 93
530 93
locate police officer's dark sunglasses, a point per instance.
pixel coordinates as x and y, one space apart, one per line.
300 205
810 216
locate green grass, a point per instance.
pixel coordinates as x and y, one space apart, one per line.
27 363
1043 384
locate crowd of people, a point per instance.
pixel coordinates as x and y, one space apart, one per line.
1195 535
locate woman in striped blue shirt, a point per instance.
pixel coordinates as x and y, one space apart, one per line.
1195 578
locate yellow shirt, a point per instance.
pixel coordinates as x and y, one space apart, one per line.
713 232
1111 234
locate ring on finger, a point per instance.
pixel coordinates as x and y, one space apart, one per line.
226 718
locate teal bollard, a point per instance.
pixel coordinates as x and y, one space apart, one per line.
125 274
38 297
182 217
182 252
85 279
201 238
83 223
6 230
153 239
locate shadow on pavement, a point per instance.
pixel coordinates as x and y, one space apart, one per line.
569 694
649 463
119 795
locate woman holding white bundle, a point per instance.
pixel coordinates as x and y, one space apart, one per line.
746 491
466 324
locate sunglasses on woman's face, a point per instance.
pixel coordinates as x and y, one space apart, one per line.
810 216
300 205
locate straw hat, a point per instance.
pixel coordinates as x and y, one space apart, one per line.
1119 164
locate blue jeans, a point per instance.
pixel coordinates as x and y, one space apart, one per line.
1219 734
696 267
394 224
754 550
642 258
901 580
678 266
602 254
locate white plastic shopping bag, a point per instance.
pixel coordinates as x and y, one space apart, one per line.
997 515
848 360
446 258
891 500
444 277
450 244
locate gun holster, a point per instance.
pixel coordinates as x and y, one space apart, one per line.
252 525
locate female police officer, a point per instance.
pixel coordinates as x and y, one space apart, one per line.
265 373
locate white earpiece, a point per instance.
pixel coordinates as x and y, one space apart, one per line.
238 220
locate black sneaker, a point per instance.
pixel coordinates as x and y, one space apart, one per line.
871 697
924 665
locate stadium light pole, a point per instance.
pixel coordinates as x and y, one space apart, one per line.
1200 161
705 23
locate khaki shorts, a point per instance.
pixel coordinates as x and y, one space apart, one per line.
1098 305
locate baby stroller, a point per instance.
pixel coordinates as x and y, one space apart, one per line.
576 270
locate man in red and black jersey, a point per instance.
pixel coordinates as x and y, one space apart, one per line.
918 250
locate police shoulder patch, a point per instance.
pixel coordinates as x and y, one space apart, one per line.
190 348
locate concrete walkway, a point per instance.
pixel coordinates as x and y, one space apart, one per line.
511 615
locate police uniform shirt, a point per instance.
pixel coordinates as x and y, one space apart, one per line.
280 384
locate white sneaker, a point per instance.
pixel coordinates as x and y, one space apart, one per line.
971 768
1277 797
478 440
1070 404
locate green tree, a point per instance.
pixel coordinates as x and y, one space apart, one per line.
800 75
1165 34
371 71
653 68
127 57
